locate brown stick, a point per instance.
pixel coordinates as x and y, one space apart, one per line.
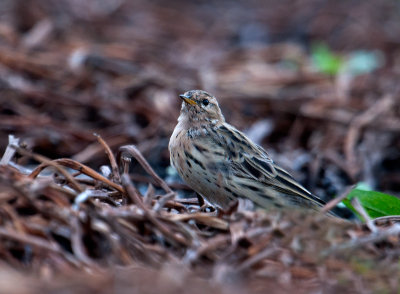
31 240
126 182
379 235
335 201
76 166
111 157
355 127
47 162
135 153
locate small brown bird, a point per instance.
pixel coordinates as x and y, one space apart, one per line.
222 164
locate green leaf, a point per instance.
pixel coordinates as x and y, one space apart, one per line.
325 60
376 204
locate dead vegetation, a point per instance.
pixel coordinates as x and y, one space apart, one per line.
79 212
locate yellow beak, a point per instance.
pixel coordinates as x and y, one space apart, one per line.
188 100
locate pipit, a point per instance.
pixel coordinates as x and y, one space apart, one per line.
222 164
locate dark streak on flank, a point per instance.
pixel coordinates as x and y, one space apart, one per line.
231 198
188 155
235 194
199 148
253 188
228 189
263 195
195 160
188 163
199 164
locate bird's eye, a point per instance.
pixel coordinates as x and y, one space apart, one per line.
205 102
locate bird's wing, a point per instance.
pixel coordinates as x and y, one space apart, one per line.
249 160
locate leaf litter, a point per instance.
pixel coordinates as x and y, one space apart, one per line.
100 213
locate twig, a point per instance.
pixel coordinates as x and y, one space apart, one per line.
395 218
379 235
253 260
212 244
10 150
131 191
357 124
31 240
163 200
134 152
361 210
125 161
203 218
77 242
111 157
76 166
335 201
47 162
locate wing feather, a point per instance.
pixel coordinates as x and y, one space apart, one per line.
253 162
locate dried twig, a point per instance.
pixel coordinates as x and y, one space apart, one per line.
47 162
135 153
138 201
335 201
76 166
31 240
10 150
367 117
374 237
111 157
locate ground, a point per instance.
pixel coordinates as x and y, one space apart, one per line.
84 85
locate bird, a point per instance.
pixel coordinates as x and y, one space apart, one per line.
223 165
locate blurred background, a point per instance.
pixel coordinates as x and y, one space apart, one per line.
315 82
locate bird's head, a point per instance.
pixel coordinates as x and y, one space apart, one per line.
200 106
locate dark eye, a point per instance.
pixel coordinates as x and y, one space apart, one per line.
205 102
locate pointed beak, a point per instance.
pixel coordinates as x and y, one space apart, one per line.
188 100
